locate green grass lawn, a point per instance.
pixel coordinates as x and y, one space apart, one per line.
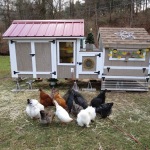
4 66
131 113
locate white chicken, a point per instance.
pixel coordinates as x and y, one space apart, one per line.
33 108
62 114
85 116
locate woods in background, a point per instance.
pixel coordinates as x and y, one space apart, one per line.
96 13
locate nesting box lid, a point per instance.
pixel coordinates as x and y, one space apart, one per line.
124 37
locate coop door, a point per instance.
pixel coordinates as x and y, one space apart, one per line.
43 59
89 65
23 59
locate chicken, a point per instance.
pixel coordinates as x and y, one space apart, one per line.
100 99
62 114
104 109
60 100
45 99
85 116
33 108
70 100
46 118
76 108
92 112
79 99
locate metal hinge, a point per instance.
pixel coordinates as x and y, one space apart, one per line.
79 63
53 73
98 72
53 41
32 55
99 55
15 72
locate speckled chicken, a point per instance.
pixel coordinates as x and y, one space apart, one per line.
46 118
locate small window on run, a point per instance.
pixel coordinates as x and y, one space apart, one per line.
66 52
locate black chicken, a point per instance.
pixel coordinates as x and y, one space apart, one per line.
100 99
79 99
104 109
70 100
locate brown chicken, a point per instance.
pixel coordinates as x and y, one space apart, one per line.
59 99
45 99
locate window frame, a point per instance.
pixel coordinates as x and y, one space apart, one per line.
129 59
58 53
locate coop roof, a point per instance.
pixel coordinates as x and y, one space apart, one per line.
124 37
45 28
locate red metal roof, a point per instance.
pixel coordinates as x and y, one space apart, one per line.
45 28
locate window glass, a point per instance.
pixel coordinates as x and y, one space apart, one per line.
66 52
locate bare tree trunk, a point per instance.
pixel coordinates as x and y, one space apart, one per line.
43 10
110 11
131 12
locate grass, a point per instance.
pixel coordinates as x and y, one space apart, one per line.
131 113
4 66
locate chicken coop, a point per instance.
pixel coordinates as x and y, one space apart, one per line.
57 49
126 58
51 49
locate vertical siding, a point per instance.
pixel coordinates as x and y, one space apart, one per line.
43 57
24 59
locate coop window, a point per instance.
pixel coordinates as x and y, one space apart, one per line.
66 52
129 55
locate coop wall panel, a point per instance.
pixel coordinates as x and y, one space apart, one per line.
44 76
65 71
24 59
88 76
43 57
25 75
125 72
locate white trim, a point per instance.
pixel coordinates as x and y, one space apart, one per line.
89 53
77 58
33 59
13 59
53 59
125 67
54 37
99 63
149 66
87 72
27 72
25 41
58 55
124 77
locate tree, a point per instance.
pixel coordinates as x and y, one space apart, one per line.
90 38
